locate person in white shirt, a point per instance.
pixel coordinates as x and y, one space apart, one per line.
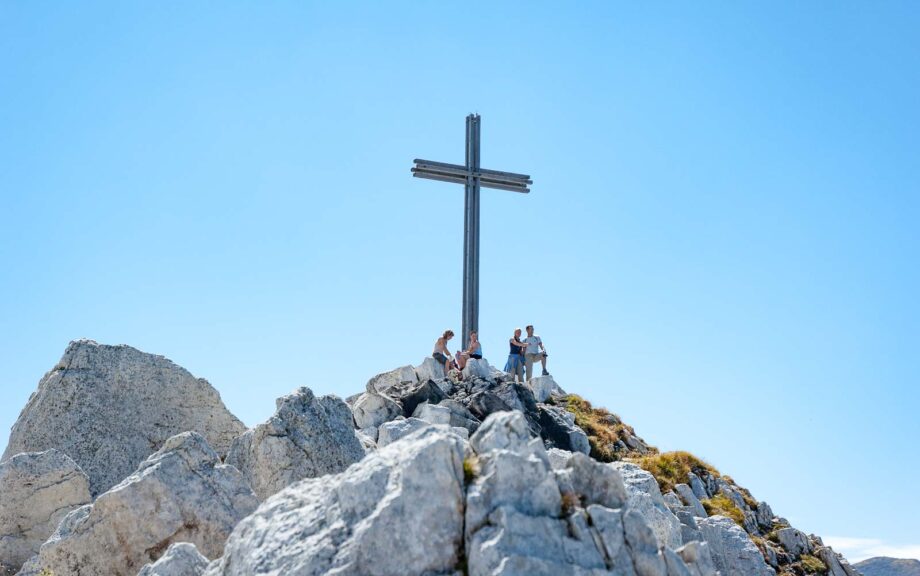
534 352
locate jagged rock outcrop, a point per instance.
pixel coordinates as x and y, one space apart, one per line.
181 559
37 489
398 511
109 407
182 493
307 437
517 515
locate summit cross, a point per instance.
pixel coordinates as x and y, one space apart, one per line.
473 178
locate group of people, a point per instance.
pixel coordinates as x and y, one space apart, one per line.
522 354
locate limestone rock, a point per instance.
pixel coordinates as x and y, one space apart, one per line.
645 496
109 407
699 489
181 559
697 558
793 541
392 431
307 437
182 493
544 387
37 489
429 369
592 481
399 511
477 368
689 498
382 383
373 409
733 551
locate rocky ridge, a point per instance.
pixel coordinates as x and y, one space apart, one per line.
884 566
474 476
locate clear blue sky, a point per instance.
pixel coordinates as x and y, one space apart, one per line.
721 244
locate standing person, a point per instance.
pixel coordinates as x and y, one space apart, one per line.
535 351
474 350
441 353
515 364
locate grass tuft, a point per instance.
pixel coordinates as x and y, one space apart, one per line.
721 505
672 468
470 469
603 428
813 565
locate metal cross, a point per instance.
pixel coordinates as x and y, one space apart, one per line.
473 178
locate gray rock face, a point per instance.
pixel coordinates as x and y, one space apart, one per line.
37 489
392 431
477 368
181 559
109 407
689 498
645 496
697 558
399 511
429 369
307 437
372 409
838 566
733 551
544 387
182 493
382 383
795 542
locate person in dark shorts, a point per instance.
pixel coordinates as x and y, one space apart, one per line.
441 353
474 350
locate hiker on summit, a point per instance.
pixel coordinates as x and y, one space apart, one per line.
535 351
441 353
473 351
515 364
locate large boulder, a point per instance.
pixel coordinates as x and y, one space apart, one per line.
372 409
397 512
182 493
733 551
645 496
307 437
181 559
37 489
381 383
109 407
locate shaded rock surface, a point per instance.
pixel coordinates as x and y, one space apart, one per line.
37 489
182 493
109 407
307 437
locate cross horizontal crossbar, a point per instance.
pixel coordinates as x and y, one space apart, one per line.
461 168
459 174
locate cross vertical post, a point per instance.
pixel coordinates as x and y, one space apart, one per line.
473 177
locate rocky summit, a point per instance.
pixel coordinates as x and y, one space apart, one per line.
122 463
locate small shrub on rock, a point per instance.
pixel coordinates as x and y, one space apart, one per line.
813 565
